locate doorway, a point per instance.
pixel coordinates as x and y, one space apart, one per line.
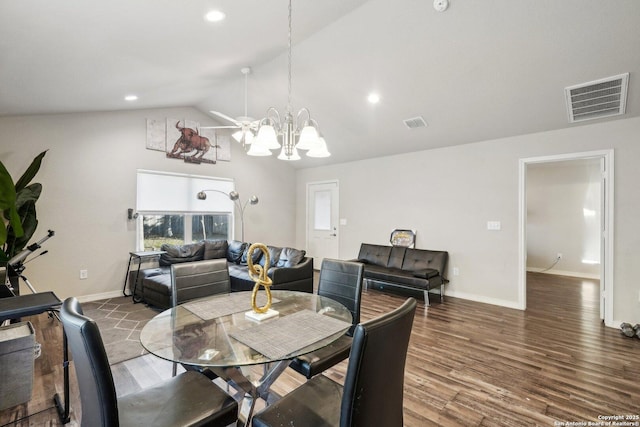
605 233
322 221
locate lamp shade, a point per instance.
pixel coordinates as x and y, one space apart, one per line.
258 150
308 138
320 151
267 137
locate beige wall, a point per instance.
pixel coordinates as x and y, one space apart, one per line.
89 181
449 194
558 194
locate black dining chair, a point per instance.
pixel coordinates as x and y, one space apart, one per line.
192 280
372 394
341 281
190 399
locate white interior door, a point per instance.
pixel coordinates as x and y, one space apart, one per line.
322 221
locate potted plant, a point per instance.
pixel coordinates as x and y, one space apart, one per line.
18 205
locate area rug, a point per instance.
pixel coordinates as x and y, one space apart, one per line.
120 322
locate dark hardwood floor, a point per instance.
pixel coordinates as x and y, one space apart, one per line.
469 364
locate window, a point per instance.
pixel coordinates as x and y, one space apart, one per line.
170 212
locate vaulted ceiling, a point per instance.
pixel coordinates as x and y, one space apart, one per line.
480 70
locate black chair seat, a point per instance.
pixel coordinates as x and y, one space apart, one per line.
185 400
189 399
315 404
319 361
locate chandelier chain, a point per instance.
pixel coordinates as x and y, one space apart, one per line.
289 58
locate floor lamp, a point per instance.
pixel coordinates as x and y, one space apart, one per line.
233 195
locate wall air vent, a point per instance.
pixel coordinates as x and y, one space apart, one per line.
597 99
416 122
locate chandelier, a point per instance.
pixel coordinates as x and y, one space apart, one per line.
299 133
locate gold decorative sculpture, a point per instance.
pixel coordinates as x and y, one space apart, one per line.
258 274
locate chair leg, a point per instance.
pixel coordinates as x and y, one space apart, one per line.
426 299
441 293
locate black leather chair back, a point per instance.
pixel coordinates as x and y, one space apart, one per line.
199 279
342 282
373 386
97 390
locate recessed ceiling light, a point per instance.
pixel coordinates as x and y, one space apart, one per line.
131 98
373 98
214 16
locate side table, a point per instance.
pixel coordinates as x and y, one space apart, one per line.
140 257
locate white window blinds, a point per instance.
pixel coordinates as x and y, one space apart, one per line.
170 192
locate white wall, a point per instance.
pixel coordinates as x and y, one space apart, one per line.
563 216
449 194
89 181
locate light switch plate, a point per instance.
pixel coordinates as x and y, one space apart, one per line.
493 225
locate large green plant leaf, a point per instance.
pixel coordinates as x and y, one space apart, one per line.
31 171
8 205
27 212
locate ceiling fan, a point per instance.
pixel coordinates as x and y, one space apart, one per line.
247 127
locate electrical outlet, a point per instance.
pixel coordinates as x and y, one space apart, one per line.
559 256
84 274
456 271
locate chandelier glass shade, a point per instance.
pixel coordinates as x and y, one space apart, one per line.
287 133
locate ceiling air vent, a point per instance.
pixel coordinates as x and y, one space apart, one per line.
416 122
597 99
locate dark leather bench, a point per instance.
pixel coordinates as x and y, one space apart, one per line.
403 269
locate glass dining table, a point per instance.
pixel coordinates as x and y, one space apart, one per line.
215 332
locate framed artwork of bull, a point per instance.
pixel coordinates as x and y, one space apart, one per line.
183 139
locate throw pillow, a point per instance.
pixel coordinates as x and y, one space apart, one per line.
214 249
257 254
235 249
274 255
290 257
181 253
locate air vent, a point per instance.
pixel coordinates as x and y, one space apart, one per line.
416 122
597 99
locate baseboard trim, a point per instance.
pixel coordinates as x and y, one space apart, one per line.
104 295
564 273
480 298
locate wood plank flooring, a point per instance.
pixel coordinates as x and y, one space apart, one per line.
468 364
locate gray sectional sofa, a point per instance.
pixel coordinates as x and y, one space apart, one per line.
403 269
289 269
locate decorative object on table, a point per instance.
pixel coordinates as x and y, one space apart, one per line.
186 140
627 330
304 128
18 204
404 238
233 195
258 274
636 328
247 127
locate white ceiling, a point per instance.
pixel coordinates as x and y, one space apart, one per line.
481 70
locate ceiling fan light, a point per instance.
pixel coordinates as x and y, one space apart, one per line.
248 137
294 155
309 138
320 151
237 136
267 137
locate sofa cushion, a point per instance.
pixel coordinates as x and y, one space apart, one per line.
290 257
181 253
420 259
274 256
396 257
427 273
255 257
374 254
235 249
214 249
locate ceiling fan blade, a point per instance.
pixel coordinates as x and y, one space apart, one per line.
224 116
219 127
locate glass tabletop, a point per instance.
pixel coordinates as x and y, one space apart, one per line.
214 331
